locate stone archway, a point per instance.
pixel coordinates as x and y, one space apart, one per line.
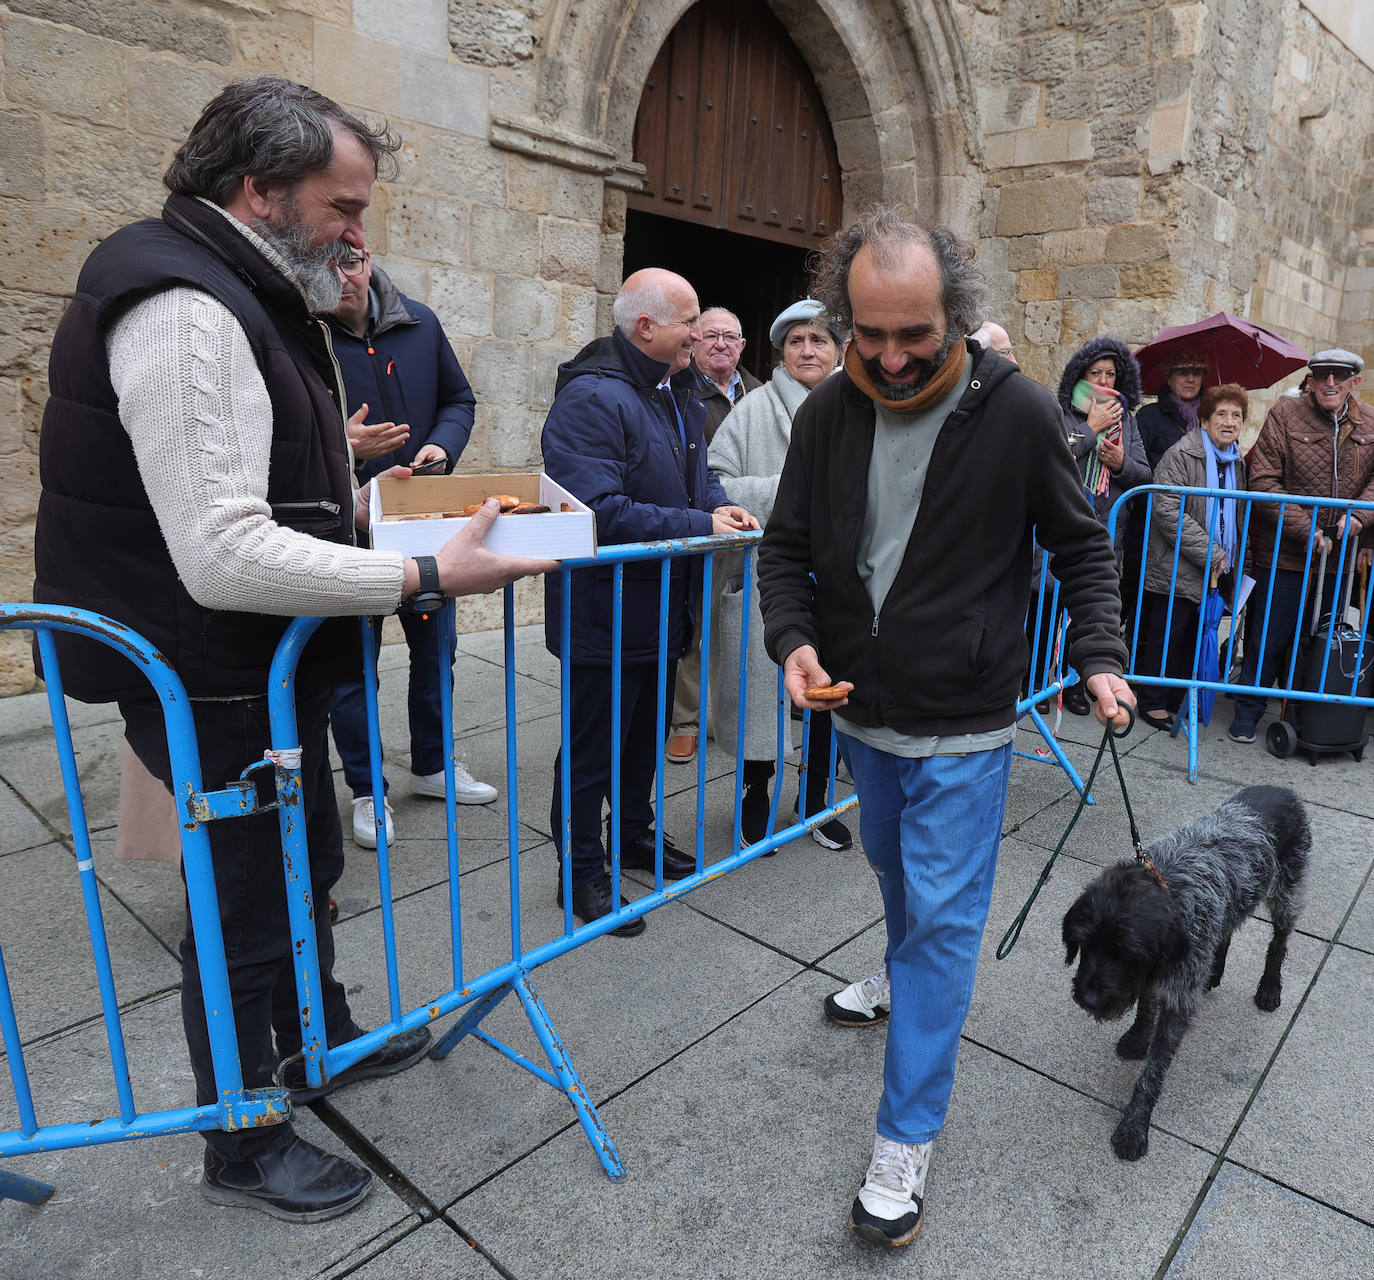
891 74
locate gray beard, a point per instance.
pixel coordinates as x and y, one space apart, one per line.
313 268
926 370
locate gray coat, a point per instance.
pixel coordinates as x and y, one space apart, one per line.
1184 464
747 453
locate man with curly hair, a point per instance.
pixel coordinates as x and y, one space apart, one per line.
897 562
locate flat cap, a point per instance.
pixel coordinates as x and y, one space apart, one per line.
1337 357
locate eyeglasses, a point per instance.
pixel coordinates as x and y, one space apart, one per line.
716 335
1337 375
354 264
1004 352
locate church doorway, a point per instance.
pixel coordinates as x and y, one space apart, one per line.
743 182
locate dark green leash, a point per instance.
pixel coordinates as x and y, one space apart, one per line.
1109 737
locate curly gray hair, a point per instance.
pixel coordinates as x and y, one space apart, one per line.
888 230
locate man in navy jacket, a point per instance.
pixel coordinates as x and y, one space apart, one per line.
626 436
411 404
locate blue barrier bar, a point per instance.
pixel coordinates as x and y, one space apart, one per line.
235 1107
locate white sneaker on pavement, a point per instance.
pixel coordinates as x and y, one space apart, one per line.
365 823
861 1004
466 788
890 1206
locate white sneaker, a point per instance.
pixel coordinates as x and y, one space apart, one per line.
890 1206
365 823
861 1004
466 788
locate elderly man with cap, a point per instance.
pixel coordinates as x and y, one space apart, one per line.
1318 444
747 454
719 383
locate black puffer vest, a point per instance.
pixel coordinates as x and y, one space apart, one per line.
97 543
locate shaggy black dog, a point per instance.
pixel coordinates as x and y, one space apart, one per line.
1154 934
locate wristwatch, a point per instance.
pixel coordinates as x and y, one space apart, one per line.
429 597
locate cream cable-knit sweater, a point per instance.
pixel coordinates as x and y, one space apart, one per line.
196 408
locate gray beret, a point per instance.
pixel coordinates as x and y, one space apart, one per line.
806 309
1337 356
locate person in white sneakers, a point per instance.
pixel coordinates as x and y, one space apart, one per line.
411 405
895 573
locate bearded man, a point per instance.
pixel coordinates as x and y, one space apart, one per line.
197 486
897 561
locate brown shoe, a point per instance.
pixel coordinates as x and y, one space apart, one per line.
682 748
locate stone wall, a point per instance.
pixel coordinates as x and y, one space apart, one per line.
1149 163
1124 164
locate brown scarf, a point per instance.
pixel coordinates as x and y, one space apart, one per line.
939 386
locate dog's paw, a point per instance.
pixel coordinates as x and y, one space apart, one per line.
1269 996
1129 1142
1134 1045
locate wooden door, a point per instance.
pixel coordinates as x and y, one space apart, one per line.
732 130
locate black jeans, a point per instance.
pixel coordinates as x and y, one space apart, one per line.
250 884
590 741
1181 634
1286 608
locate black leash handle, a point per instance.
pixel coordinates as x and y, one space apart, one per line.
1109 737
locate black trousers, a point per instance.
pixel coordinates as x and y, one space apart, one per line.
590 742
1181 633
251 887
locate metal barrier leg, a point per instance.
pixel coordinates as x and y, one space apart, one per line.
1058 752
15 1186
443 1046
568 1079
563 1077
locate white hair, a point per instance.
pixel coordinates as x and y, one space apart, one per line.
982 336
647 299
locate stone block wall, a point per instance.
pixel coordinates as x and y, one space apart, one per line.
1149 163
1123 164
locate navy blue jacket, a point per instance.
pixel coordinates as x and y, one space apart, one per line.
612 440
406 371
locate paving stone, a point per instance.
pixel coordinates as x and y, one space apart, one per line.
47 952
434 1249
1250 1226
499 1112
1309 1126
728 1173
134 1208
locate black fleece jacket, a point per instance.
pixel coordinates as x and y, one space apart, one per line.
947 651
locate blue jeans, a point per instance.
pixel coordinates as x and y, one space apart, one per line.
930 829
348 714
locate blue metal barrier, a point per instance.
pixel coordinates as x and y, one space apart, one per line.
236 1108
1196 681
472 998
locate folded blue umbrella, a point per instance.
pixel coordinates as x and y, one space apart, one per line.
1209 658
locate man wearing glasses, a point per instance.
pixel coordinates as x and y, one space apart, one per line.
719 384
410 405
1318 444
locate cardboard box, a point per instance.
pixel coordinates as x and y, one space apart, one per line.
555 535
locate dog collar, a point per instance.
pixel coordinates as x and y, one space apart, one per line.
1154 870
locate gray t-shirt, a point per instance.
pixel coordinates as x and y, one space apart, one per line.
902 445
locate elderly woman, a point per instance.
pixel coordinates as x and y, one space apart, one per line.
1175 411
1098 392
1205 459
747 453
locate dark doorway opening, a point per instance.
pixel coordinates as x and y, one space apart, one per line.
754 278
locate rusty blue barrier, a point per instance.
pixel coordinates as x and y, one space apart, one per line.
237 1107
470 997
1195 681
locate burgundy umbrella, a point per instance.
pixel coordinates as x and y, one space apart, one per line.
1236 351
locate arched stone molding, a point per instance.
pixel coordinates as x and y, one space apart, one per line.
891 73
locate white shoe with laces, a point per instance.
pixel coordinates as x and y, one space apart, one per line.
861 1004
466 788
890 1206
365 823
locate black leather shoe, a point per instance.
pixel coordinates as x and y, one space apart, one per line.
296 1182
638 855
395 1055
1076 701
592 900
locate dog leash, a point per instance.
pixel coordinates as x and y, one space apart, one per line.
1109 737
